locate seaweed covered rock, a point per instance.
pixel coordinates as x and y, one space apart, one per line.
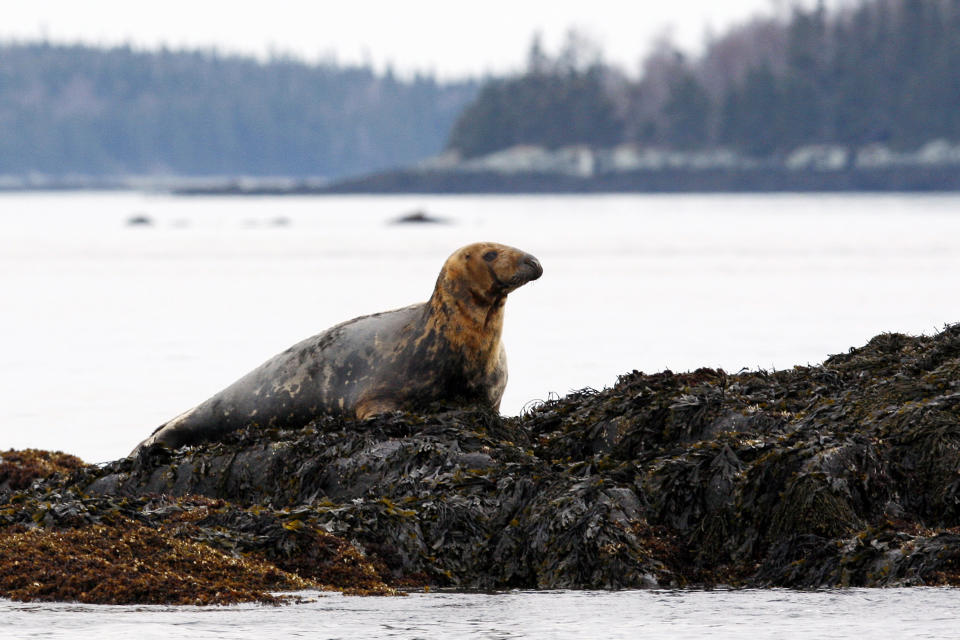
456 498
58 543
840 474
129 563
18 469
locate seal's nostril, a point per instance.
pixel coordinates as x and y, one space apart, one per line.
534 264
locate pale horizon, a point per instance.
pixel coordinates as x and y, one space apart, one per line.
419 36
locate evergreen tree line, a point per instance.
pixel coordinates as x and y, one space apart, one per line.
882 71
555 103
91 111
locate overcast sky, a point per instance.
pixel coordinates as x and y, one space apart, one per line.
444 37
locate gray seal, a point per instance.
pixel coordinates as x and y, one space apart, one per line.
447 349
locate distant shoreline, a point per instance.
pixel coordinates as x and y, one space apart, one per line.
760 180
411 181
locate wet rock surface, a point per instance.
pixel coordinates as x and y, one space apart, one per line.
842 474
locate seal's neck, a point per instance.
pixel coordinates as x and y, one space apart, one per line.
471 321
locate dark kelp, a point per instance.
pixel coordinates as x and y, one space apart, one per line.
833 475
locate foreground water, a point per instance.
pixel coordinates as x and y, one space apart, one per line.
853 613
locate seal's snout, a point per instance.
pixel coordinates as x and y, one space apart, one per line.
532 267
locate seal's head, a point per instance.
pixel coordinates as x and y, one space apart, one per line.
486 272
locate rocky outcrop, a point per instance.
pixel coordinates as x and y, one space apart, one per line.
841 474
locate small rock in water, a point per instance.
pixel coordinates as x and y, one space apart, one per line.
139 220
418 217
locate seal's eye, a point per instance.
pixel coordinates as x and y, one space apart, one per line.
490 256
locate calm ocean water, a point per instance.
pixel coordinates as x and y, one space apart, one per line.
894 614
109 329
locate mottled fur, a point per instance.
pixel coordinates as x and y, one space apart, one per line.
447 349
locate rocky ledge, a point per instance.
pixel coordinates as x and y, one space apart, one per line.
842 474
